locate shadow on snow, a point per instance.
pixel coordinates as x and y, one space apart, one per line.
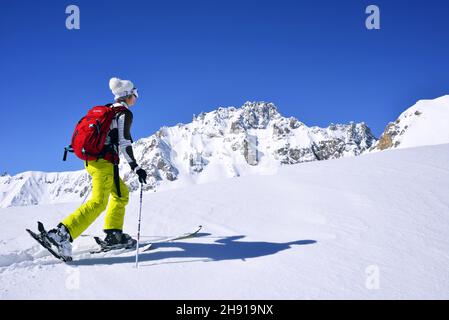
227 248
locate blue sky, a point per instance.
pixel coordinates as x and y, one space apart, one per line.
314 59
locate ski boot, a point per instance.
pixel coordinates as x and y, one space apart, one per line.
56 241
116 239
61 239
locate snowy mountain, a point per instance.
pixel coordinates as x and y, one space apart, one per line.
371 227
33 187
425 123
227 142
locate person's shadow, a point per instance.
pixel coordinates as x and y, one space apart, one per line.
227 248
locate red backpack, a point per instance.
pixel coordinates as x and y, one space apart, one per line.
90 135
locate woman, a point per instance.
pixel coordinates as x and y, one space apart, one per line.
106 193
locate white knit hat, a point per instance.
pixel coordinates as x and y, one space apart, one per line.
121 88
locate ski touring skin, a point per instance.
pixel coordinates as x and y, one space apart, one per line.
145 246
45 241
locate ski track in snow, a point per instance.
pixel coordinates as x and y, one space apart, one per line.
313 230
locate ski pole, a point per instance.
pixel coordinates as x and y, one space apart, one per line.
138 226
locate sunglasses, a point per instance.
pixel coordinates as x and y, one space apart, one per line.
135 93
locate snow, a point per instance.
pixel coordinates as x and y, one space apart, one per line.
423 124
430 127
368 227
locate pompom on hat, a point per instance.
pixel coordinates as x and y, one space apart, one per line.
122 88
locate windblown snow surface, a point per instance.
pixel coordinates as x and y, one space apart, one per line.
370 227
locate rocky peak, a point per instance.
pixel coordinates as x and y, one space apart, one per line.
239 140
257 115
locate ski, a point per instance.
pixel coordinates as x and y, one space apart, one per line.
145 246
45 241
105 248
188 235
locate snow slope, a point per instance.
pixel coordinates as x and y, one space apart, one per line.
425 123
375 226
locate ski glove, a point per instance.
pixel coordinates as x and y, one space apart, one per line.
142 175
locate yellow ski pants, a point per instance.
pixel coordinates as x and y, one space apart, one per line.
103 186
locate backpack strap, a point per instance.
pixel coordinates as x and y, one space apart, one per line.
66 150
117 180
118 111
